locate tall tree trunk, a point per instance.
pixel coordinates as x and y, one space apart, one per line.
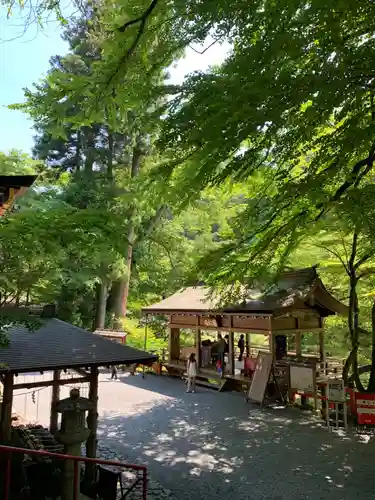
110 157
121 300
78 151
125 293
371 385
89 150
353 318
101 305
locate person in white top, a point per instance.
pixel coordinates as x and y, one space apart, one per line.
191 373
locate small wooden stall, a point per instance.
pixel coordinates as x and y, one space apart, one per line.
295 306
54 347
114 335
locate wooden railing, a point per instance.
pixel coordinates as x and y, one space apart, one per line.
6 452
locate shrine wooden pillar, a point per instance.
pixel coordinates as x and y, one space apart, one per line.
298 343
231 361
92 424
198 345
271 339
271 343
174 344
322 354
6 408
248 344
53 426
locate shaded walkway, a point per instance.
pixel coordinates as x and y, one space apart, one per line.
211 445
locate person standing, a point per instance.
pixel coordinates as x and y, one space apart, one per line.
241 346
114 372
191 373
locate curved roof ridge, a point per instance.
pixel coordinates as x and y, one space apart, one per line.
302 285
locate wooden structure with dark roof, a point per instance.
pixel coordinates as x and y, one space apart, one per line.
296 304
11 187
57 346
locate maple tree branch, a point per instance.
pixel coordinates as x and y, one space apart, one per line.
142 25
207 48
141 19
355 177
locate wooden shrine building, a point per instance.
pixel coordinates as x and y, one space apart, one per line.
11 187
296 305
57 346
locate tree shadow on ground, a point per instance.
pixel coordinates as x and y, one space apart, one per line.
209 445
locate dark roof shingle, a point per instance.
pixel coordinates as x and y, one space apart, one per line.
58 345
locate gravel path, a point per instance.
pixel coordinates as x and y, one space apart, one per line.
212 446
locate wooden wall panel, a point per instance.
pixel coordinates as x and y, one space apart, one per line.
211 322
288 323
177 319
309 321
251 323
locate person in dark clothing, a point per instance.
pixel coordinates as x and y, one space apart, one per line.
241 346
114 372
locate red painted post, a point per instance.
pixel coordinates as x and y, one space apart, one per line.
8 450
8 477
144 485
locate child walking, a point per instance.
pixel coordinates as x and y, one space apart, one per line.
191 373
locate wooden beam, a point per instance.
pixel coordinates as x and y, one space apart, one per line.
298 344
198 345
54 400
248 344
174 344
243 330
217 329
48 383
6 408
231 353
210 314
271 343
300 330
271 340
92 424
322 354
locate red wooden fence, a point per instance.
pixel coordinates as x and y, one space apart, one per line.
8 450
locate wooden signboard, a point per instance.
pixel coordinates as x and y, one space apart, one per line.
302 378
260 379
208 322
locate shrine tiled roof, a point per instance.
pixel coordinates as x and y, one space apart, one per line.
299 289
59 345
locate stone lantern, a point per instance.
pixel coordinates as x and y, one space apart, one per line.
72 434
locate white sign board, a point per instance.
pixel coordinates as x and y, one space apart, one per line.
302 378
336 390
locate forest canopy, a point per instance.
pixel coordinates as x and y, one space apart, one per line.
261 163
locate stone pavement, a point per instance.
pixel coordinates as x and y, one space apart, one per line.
213 445
155 491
